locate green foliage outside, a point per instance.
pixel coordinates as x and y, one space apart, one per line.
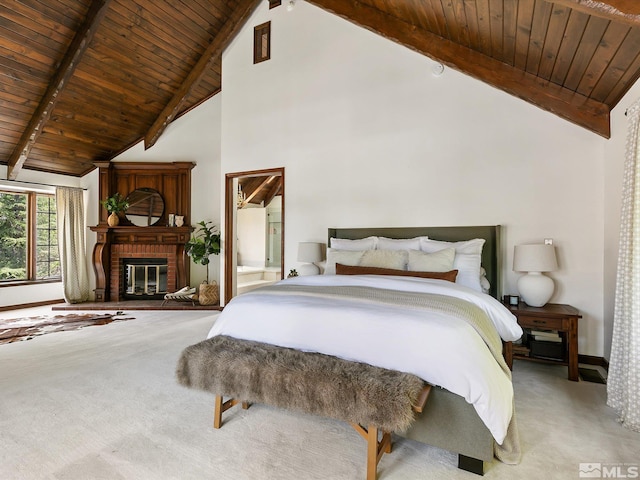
47 254
13 236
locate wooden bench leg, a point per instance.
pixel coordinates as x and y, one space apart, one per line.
220 407
375 448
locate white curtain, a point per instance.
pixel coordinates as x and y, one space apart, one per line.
623 382
71 243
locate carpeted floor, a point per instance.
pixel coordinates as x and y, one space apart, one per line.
103 403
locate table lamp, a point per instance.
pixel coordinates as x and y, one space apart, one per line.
535 288
308 253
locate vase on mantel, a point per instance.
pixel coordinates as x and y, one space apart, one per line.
113 220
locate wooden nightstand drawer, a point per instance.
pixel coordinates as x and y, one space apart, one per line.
539 322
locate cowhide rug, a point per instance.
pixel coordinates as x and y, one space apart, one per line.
16 329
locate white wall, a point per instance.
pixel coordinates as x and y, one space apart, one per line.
45 291
252 236
369 137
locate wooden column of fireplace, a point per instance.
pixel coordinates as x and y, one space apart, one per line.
173 182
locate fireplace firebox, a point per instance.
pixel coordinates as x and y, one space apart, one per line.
144 278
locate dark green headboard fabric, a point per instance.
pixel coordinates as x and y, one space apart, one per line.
491 253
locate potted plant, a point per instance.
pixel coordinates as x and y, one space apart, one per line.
205 242
115 204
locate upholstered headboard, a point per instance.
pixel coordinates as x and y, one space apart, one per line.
491 253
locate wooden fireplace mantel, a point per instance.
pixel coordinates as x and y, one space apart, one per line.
149 235
137 238
173 182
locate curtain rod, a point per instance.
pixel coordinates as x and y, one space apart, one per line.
37 183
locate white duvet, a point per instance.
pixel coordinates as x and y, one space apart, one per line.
442 350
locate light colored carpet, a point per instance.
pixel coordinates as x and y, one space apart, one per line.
102 403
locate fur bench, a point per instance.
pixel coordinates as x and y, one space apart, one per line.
361 394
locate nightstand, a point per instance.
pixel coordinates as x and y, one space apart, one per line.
551 317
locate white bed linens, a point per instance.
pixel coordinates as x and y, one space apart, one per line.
441 349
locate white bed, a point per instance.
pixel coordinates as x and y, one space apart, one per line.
440 348
448 334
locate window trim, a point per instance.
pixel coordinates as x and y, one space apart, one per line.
32 212
262 42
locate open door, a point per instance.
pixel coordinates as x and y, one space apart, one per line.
246 190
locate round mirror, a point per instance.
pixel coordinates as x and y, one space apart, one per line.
145 207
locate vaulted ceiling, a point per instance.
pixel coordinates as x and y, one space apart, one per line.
83 80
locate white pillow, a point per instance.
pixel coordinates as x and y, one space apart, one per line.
440 261
484 281
467 260
385 243
345 257
395 259
361 244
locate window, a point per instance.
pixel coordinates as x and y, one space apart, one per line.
46 256
262 42
28 237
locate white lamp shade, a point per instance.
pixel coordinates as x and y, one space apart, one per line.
535 288
309 252
534 258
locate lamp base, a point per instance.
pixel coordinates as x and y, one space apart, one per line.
535 289
308 269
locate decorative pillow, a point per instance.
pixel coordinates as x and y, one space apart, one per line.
396 259
359 270
467 260
441 261
361 244
346 257
484 281
385 243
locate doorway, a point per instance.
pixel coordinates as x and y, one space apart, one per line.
259 194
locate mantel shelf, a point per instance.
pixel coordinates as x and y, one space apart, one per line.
137 230
142 235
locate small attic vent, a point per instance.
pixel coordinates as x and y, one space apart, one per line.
262 42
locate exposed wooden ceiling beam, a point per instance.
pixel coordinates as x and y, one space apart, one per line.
226 34
626 11
554 98
257 190
273 190
76 50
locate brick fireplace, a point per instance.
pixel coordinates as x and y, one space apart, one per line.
129 242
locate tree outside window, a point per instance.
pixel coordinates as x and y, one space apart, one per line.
28 237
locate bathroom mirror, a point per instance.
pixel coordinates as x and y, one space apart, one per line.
146 207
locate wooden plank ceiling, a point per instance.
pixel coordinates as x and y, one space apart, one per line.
258 190
83 80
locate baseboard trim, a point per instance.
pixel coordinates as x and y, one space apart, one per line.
31 305
592 360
